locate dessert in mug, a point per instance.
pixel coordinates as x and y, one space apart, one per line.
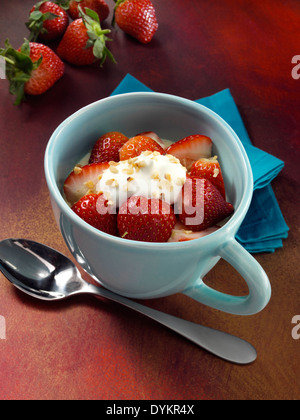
147 189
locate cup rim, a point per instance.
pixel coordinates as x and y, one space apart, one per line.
229 228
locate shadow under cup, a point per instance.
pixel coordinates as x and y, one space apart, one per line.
145 270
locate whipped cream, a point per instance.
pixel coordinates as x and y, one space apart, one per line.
150 174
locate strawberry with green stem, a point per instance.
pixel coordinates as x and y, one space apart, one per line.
47 21
84 41
32 69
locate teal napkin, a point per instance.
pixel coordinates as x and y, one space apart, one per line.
264 227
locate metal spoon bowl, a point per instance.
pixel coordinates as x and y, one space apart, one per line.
45 273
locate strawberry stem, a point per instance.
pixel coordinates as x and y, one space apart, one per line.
118 2
36 21
19 68
97 35
64 4
8 60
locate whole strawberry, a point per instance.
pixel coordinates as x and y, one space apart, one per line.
47 21
147 220
202 205
137 18
84 42
32 69
95 210
107 147
99 6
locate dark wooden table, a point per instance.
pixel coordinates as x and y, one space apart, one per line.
86 349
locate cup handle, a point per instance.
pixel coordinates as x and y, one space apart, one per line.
252 272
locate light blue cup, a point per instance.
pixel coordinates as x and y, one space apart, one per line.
145 270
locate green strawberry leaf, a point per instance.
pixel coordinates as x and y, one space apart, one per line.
36 21
98 48
118 2
97 35
64 4
19 68
91 14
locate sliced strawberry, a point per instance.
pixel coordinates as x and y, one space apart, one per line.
107 147
136 145
211 170
190 149
202 205
147 220
153 136
95 210
83 180
181 234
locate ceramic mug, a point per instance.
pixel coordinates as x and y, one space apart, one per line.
144 270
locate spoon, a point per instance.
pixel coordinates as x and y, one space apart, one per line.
46 274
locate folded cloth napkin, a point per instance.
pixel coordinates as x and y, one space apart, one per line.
264 227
